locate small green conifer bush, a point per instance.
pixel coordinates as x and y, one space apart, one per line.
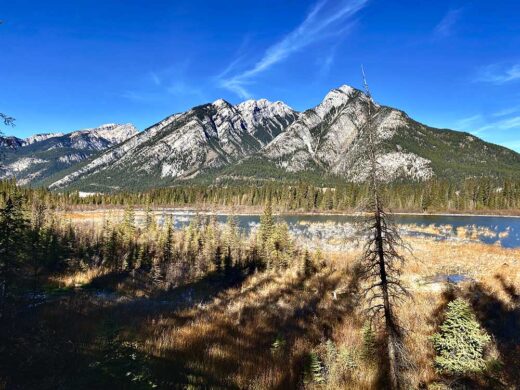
460 342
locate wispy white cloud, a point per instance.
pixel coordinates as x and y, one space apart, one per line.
498 74
155 78
159 84
446 26
502 129
469 122
327 63
507 111
327 18
479 124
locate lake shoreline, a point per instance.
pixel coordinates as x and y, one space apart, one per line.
258 211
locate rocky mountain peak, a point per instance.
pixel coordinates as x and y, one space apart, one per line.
115 133
221 103
336 98
261 138
40 156
40 137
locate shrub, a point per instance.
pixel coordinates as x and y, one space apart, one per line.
316 368
278 344
460 342
369 342
330 365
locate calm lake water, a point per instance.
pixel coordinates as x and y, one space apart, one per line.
339 231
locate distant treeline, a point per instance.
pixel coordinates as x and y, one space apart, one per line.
435 195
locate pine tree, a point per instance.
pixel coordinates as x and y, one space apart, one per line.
460 342
128 224
128 234
232 243
150 223
110 250
266 223
167 246
280 245
210 242
36 236
265 234
13 243
369 342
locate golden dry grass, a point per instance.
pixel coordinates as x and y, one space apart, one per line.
494 269
228 341
79 278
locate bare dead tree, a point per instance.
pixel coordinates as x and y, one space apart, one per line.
8 120
381 261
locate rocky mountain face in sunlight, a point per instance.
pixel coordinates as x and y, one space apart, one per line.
261 140
183 145
330 137
36 159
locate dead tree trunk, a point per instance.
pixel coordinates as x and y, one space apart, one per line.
381 261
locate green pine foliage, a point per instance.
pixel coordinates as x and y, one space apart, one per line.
278 345
14 231
460 342
369 342
36 243
469 195
316 368
329 364
267 224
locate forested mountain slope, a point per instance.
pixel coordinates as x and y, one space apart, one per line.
36 159
261 140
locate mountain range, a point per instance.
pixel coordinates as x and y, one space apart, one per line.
256 140
36 159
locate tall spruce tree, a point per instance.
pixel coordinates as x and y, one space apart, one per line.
150 223
167 246
36 236
266 223
13 242
232 243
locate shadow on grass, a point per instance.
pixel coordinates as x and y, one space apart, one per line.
502 321
83 339
216 332
259 335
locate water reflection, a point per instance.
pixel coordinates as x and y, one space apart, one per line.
339 232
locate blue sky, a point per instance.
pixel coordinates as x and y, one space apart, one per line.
73 64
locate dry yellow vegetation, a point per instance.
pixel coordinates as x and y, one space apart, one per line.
259 335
